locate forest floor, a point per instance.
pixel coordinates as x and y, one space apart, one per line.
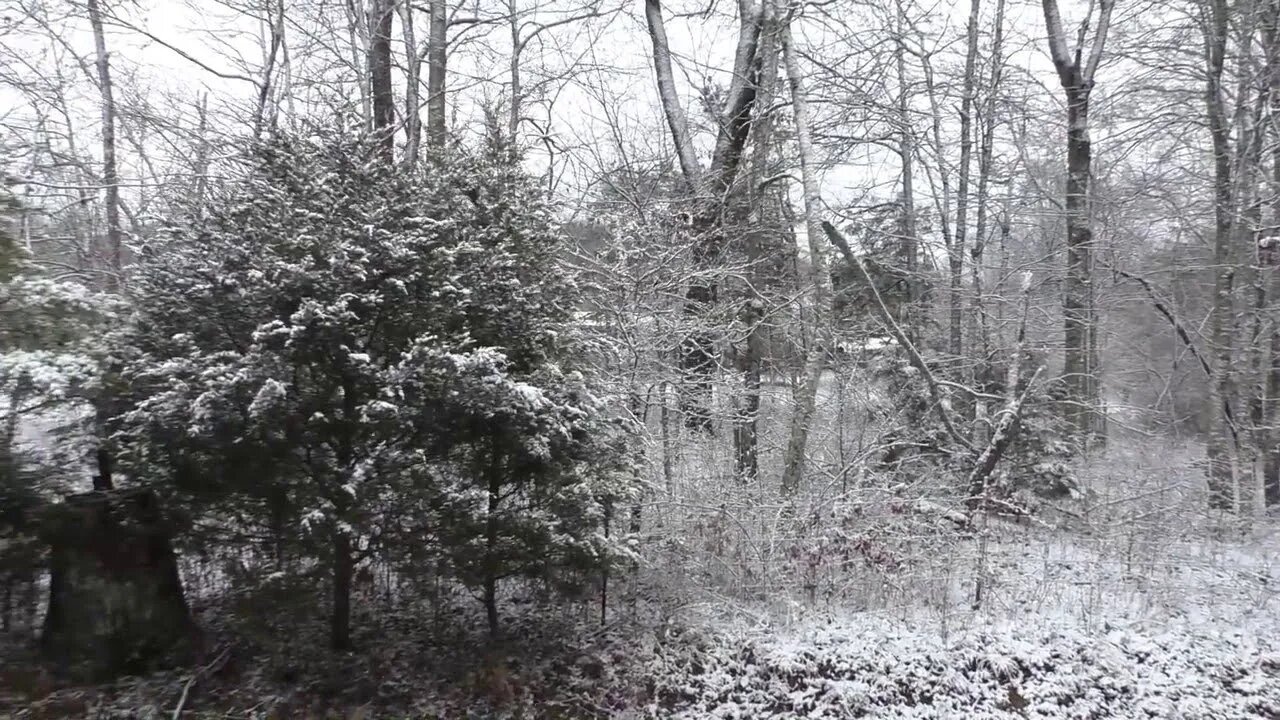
1068 629
1134 604
1191 630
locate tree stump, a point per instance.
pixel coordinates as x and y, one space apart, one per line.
116 605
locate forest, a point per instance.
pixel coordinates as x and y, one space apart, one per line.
639 359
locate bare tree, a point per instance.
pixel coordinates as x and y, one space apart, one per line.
819 275
110 177
709 189
1076 73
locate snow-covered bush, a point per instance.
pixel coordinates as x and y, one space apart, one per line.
51 356
368 361
1037 464
842 672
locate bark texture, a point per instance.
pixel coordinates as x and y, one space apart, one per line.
110 176
116 604
384 107
437 60
1080 361
819 276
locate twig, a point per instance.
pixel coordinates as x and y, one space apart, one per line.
186 689
1190 344
177 712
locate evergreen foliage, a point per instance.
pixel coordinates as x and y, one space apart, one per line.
878 238
372 362
49 367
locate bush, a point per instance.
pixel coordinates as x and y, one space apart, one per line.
357 361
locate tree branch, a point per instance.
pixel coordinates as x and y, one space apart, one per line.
735 125
886 317
115 20
671 107
1057 39
1099 40
1187 341
1001 437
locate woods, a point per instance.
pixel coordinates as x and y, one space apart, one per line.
426 359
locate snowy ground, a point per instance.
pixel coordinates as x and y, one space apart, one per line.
1069 629
1035 670
1135 603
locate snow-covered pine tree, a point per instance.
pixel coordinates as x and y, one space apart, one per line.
50 359
368 360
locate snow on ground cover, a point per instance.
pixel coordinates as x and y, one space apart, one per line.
847 669
1072 626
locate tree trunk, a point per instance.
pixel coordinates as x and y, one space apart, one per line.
1219 448
384 107
358 33
1271 467
201 164
1271 391
908 245
413 81
746 434
116 605
986 371
698 350
494 472
1231 167
668 442
955 303
671 106
343 569
1269 264
1077 301
708 191
110 177
276 21
819 276
751 357
513 117
1076 75
1252 132
437 57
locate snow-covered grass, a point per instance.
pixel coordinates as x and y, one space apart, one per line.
1117 616
861 669
859 597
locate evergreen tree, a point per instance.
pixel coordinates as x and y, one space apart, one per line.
49 366
363 358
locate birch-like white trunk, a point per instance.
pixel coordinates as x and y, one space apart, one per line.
819 277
